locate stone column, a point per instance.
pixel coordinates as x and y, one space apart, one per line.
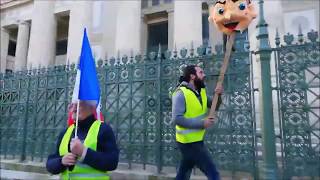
128 27
4 49
187 23
170 29
274 16
144 35
42 46
317 10
109 21
22 46
215 36
122 27
80 18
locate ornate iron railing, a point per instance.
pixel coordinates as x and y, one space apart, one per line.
298 79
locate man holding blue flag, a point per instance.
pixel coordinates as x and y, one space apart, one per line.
86 149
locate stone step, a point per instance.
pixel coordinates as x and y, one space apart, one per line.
13 169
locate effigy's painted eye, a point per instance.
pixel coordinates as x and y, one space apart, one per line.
221 11
242 6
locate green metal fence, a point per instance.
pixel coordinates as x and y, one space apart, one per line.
33 111
298 84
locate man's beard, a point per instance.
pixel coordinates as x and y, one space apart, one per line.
199 83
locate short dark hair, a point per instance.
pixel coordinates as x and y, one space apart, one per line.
187 71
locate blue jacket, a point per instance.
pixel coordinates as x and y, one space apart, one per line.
105 158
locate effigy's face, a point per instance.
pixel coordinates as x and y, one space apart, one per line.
232 15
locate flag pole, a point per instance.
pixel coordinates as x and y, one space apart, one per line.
98 110
77 120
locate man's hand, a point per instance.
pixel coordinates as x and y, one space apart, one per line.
76 147
69 159
208 122
219 89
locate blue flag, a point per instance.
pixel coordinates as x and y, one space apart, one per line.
87 83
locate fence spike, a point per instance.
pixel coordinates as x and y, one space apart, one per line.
277 37
300 35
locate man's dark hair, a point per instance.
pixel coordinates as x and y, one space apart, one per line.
187 71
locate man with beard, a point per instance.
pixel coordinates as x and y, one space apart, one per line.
189 110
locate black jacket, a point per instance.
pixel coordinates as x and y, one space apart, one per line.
105 158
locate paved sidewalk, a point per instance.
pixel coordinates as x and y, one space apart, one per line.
19 175
15 170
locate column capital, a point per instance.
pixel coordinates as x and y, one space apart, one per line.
4 30
22 22
171 10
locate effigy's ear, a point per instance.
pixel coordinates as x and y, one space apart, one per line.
210 19
211 11
252 10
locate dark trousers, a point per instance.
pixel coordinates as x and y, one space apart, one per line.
196 154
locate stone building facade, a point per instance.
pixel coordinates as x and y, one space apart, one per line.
49 32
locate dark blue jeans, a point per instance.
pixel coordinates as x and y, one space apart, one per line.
196 154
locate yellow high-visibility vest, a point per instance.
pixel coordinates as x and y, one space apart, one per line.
194 109
83 171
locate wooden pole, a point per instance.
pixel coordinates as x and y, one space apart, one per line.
223 70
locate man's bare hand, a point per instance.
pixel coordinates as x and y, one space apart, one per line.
76 147
219 89
208 122
69 159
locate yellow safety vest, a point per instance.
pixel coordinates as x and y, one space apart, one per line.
194 109
83 171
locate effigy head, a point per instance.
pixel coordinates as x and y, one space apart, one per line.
232 15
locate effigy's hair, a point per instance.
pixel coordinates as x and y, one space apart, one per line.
214 2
